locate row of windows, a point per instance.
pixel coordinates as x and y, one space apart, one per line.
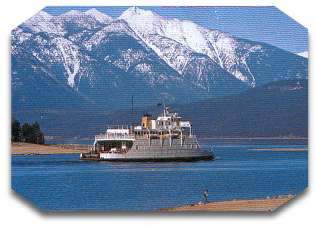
166 123
138 147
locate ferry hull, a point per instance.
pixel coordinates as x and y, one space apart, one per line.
205 157
177 159
162 155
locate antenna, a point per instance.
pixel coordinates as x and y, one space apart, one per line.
164 111
163 107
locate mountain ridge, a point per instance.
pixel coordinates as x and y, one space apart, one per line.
106 60
221 47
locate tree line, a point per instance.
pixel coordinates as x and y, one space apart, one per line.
28 132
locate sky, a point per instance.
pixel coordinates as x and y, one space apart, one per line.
264 24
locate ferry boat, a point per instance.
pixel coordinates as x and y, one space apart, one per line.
166 138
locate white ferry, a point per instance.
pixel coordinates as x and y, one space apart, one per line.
166 138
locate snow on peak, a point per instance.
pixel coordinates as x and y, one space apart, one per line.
219 46
303 54
185 32
99 16
133 11
142 20
83 20
188 33
43 15
72 13
94 13
43 22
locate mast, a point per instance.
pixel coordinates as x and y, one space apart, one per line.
164 109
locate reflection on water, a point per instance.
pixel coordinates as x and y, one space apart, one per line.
63 182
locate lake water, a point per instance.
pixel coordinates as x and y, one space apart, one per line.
64 183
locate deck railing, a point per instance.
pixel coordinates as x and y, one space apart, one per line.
115 137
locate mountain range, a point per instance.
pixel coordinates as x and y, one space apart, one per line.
90 60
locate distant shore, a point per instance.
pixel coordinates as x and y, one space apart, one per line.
258 137
280 149
255 205
36 149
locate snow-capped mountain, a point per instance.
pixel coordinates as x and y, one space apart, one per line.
75 21
100 17
232 54
90 58
67 23
43 22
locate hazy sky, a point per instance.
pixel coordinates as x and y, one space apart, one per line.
266 24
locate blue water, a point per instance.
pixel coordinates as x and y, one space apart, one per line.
64 183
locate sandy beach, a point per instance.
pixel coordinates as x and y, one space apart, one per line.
29 148
256 205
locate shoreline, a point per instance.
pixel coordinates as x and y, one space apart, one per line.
239 205
19 148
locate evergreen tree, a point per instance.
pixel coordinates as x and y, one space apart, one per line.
15 130
27 133
38 136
